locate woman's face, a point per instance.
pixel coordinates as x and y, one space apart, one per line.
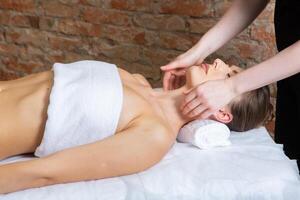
196 75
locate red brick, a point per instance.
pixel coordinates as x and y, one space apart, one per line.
221 7
22 52
33 51
27 36
13 19
98 3
111 49
158 57
24 21
160 22
130 35
19 5
5 17
133 5
72 2
47 23
73 57
263 32
57 9
2 36
26 67
175 41
100 16
246 49
64 43
79 28
6 75
196 8
200 25
9 49
71 27
55 56
125 52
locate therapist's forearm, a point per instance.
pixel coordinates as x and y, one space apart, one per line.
235 20
284 64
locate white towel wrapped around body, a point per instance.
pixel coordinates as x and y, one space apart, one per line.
205 134
85 104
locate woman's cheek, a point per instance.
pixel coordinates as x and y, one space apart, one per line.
197 78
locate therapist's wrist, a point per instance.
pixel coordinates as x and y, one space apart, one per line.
234 88
202 49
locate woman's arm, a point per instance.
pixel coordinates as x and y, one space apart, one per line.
127 152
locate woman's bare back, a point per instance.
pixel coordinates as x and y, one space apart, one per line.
24 103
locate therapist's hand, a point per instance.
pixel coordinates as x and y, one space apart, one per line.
205 99
174 76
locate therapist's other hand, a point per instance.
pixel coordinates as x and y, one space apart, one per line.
206 98
175 70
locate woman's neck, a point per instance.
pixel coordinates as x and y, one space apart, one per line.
169 103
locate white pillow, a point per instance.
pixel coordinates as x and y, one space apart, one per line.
205 134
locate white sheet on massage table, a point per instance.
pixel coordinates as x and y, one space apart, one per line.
254 167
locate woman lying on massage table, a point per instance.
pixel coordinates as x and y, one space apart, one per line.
101 121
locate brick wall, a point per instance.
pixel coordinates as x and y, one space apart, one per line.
139 35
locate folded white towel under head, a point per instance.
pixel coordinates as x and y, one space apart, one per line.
205 134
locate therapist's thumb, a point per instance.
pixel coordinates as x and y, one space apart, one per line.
172 65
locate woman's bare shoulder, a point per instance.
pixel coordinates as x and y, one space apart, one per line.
151 124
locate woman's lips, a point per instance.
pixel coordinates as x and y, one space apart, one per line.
205 67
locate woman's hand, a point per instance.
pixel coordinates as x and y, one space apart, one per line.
205 99
174 76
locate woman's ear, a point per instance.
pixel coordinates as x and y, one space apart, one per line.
223 116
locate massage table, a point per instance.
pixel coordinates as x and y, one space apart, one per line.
253 167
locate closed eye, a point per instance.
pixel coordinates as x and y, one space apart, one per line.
234 72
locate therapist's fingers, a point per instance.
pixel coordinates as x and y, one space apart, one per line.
197 111
191 106
189 97
166 80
